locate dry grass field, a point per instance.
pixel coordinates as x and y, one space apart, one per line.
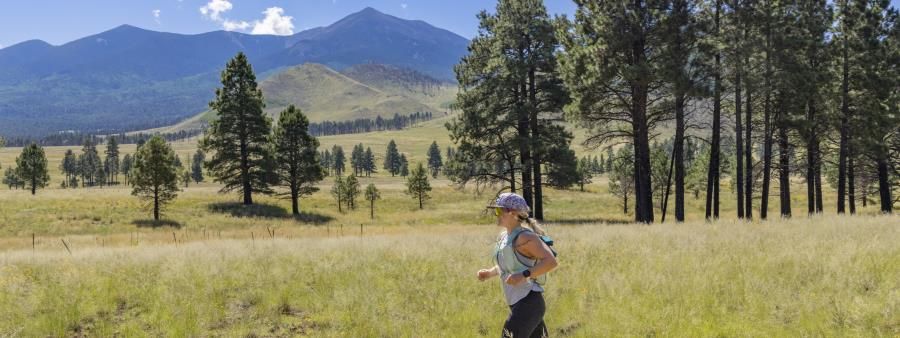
96 266
835 276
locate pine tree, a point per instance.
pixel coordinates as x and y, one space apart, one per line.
185 177
69 167
177 163
197 166
660 163
713 176
326 161
89 162
112 160
584 173
372 194
369 162
357 159
127 165
435 163
337 191
11 178
154 176
238 137
815 21
562 169
296 156
621 177
31 168
417 185
100 174
392 161
684 73
508 85
879 55
338 160
404 166
614 46
351 191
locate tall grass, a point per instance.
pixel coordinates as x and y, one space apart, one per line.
835 276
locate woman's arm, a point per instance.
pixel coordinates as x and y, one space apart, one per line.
530 245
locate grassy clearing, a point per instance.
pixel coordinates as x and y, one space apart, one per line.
213 269
836 276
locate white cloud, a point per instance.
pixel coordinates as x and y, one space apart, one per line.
275 23
156 13
214 8
229 25
403 5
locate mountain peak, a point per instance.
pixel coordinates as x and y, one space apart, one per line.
368 13
126 27
369 10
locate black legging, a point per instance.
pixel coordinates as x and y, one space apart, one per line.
526 318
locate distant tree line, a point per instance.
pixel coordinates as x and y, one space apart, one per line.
357 126
73 139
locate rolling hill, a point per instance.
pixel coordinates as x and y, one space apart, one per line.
364 91
130 78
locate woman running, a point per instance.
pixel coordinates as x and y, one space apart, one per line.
521 259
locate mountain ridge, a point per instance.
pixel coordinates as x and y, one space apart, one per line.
131 78
324 94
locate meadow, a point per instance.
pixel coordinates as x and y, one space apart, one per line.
835 276
88 262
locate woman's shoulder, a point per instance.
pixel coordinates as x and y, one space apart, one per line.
526 236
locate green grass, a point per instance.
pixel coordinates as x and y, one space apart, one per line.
213 269
816 277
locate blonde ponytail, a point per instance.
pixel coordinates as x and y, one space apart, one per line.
531 223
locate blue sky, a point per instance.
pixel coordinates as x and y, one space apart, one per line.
61 21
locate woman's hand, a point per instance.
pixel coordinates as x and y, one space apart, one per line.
515 279
484 274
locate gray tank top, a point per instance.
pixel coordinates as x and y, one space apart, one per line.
512 262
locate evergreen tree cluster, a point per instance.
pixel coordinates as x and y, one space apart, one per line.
357 126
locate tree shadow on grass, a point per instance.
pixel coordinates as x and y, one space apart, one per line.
238 209
149 223
585 221
308 217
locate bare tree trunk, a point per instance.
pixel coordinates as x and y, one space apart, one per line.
851 180
884 185
639 92
784 169
845 129
679 158
295 207
245 174
810 159
535 135
748 153
739 143
156 203
665 202
712 178
767 128
524 145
